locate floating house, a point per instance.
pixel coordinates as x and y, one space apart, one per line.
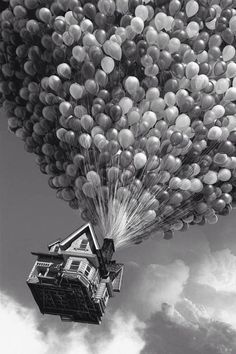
76 277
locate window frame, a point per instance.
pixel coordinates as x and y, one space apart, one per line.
86 271
71 265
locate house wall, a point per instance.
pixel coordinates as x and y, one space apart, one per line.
75 246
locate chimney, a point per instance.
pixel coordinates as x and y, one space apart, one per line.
108 249
105 255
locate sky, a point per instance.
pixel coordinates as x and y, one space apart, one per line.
177 296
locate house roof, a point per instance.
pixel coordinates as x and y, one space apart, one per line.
93 241
54 243
48 254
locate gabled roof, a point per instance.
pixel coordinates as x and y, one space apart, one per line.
93 241
52 255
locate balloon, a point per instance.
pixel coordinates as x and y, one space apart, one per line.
150 118
126 104
224 175
214 133
222 86
137 24
210 177
228 53
192 69
126 138
113 174
196 185
149 215
213 219
192 8
230 94
107 64
64 70
152 145
112 49
89 190
185 184
94 178
140 160
85 140
176 138
141 11
76 91
129 107
131 84
79 53
182 121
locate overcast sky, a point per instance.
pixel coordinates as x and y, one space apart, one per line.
178 296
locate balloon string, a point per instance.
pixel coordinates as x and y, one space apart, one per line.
134 221
182 205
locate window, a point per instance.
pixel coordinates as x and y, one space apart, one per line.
75 265
87 270
83 245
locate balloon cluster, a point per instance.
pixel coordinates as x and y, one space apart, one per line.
129 106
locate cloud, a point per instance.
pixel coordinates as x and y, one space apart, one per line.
212 283
157 284
18 328
218 270
20 333
183 329
173 332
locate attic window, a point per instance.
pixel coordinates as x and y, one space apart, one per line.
83 245
75 265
